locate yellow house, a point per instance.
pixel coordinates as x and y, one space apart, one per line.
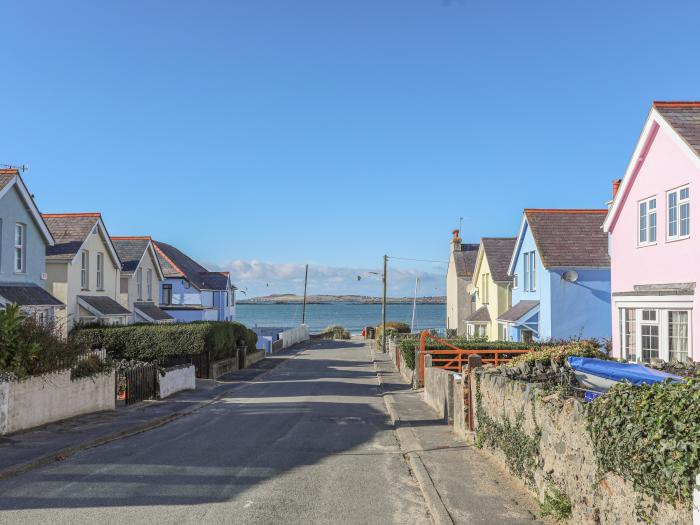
491 285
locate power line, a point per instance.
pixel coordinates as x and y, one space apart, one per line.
417 260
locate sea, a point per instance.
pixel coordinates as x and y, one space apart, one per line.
353 316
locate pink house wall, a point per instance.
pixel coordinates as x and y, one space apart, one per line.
667 166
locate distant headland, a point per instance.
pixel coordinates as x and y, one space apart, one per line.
322 299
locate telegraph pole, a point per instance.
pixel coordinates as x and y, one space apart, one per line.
303 310
386 258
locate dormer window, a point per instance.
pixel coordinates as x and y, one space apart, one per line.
647 222
678 215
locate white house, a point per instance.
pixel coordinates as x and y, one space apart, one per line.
140 280
83 269
460 298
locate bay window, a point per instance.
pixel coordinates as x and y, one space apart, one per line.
654 333
647 221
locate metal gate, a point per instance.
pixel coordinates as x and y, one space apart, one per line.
137 383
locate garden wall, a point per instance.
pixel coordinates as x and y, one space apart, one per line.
176 380
294 335
223 366
253 357
44 399
522 418
399 361
439 390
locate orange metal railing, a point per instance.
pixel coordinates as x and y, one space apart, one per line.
454 358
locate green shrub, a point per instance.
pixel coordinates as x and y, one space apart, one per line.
560 351
335 332
408 351
28 347
556 503
392 328
650 435
148 342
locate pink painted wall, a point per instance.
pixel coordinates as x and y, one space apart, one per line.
666 167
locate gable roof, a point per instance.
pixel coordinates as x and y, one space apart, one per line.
132 250
465 260
684 117
481 315
9 178
681 120
498 251
176 264
566 238
71 231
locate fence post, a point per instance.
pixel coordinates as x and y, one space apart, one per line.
423 336
473 361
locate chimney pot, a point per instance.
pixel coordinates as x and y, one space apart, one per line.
616 186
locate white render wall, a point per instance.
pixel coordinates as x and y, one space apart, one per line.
176 380
44 399
294 336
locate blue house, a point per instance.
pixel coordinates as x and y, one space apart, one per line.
190 292
24 238
561 277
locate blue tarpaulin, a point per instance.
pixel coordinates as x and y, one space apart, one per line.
614 371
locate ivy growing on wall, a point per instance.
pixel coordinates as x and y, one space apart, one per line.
650 435
521 451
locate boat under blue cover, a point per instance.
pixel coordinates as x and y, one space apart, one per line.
591 369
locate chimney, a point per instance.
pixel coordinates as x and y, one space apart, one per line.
616 186
456 241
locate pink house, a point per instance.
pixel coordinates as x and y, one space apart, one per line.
655 240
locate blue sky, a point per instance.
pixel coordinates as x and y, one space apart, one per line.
332 131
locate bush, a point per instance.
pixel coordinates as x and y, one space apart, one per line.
558 353
408 348
392 328
28 347
336 332
650 435
148 342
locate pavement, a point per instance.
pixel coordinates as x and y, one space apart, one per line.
327 433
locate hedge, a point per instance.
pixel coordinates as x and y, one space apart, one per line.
153 341
650 435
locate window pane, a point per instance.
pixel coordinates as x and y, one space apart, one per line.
643 222
652 204
650 342
678 336
685 193
685 219
672 214
630 334
652 227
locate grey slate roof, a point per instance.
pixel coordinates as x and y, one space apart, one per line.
480 316
130 251
517 311
105 305
660 289
69 230
466 259
684 117
570 237
498 252
176 264
152 311
27 294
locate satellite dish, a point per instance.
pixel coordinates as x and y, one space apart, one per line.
570 276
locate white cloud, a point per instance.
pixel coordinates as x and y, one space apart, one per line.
262 278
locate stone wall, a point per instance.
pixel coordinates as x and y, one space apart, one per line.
224 366
565 455
44 399
459 408
396 356
253 357
176 380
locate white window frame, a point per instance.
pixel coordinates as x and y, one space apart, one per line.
662 309
139 283
676 214
485 288
20 251
533 272
100 271
84 270
526 271
647 227
515 281
149 284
